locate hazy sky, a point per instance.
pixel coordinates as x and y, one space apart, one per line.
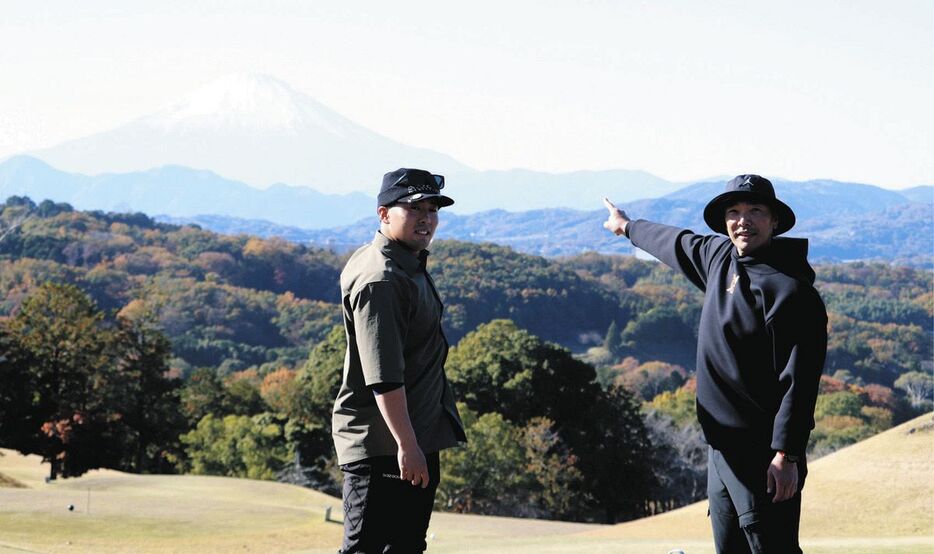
682 89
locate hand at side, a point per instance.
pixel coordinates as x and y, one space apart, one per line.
393 407
782 478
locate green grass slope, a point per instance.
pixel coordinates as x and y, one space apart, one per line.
875 497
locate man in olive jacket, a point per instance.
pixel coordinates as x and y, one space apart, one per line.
760 353
395 410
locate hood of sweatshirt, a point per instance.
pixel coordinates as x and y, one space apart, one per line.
784 255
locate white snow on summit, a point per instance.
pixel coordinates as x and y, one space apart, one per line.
255 129
247 100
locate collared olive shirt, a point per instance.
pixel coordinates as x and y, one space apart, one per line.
392 320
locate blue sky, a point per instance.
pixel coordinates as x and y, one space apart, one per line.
682 89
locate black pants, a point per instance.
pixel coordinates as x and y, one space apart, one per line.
382 513
742 514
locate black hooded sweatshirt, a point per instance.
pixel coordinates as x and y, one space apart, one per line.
762 338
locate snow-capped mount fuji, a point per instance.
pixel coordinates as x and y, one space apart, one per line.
251 102
255 129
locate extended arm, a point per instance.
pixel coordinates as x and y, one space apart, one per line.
679 249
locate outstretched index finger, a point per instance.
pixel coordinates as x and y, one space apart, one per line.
609 205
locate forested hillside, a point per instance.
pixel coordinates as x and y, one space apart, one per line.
571 371
843 222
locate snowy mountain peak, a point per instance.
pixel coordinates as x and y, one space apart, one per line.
250 101
236 93
255 129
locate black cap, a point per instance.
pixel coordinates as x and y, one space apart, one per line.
748 188
411 185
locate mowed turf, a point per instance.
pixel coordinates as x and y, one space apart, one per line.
873 496
876 497
118 512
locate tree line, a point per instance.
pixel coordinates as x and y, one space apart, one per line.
85 391
171 349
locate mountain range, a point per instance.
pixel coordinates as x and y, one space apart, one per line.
181 192
843 222
247 153
259 131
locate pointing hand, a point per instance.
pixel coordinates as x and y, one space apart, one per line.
617 220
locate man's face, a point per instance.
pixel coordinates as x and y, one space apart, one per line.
413 224
749 226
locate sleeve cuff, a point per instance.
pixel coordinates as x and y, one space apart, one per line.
383 388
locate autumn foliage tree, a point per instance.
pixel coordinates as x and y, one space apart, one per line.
62 347
97 391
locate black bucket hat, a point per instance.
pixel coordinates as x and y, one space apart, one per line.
748 188
411 185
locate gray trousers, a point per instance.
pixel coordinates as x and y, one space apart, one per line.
744 519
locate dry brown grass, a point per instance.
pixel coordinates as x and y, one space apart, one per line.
6 482
876 497
880 487
9 482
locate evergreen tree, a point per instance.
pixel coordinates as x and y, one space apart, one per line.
307 407
237 446
501 368
613 342
19 420
147 399
487 475
62 357
615 455
202 394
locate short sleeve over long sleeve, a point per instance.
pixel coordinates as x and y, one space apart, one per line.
380 325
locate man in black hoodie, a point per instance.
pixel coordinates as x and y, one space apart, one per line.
760 353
